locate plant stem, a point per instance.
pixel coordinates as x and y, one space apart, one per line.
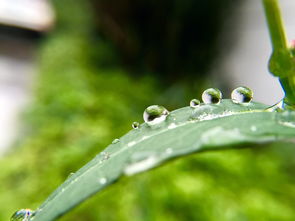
282 62
275 24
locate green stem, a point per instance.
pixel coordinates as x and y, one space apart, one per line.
282 62
275 25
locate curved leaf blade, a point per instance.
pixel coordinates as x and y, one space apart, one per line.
186 130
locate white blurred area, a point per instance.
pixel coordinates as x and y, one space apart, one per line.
246 62
16 78
20 21
30 14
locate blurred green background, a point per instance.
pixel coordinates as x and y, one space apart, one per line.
103 63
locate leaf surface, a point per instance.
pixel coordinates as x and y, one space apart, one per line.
186 130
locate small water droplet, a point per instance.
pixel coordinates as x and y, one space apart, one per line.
242 95
155 114
70 175
22 215
212 96
103 180
194 103
105 155
135 125
115 141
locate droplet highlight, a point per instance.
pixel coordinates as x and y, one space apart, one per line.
22 215
103 180
194 103
135 125
155 114
242 95
212 96
141 166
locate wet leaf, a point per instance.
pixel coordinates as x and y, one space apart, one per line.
185 131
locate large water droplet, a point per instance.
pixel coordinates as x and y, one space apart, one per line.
212 96
135 125
155 114
22 215
194 103
242 95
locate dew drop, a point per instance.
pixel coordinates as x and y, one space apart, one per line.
155 114
22 215
135 125
194 103
242 95
105 155
115 141
212 96
71 174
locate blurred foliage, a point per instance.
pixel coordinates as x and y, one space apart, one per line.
85 99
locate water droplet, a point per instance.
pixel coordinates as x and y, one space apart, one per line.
212 96
105 155
242 95
22 215
115 141
194 103
135 125
103 180
155 114
70 175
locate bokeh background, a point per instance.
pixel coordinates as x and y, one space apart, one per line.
76 74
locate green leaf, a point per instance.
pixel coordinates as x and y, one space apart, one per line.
186 130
